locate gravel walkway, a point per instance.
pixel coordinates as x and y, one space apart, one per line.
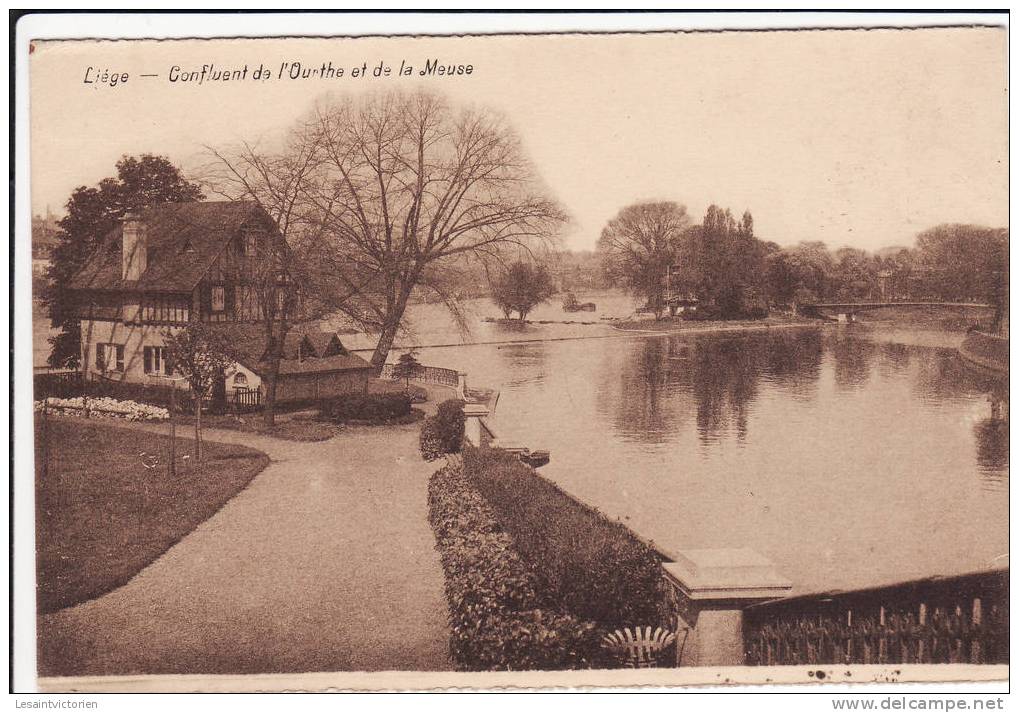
325 562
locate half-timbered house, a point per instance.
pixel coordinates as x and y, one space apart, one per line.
169 264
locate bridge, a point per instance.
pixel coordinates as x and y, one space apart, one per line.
847 310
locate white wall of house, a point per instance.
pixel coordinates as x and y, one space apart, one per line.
134 338
242 377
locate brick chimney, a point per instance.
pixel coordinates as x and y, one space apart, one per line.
135 249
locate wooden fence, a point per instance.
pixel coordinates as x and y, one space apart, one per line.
428 374
247 400
943 620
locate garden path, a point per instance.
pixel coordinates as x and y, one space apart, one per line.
325 562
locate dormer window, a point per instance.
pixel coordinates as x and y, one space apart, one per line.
188 247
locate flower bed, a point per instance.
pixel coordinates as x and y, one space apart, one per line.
104 407
498 619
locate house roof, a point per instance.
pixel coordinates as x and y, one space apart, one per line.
249 342
183 240
318 365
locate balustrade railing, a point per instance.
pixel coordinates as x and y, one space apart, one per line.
428 374
960 619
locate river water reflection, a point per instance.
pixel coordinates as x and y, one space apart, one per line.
850 456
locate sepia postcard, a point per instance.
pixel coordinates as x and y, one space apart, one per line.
522 360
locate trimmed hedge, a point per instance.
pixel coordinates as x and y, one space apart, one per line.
444 432
497 620
588 565
372 408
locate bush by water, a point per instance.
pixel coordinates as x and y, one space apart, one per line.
498 620
367 408
584 563
444 432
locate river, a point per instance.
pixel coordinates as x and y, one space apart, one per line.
851 456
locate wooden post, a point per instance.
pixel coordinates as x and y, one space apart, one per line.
45 437
882 642
974 646
921 643
173 431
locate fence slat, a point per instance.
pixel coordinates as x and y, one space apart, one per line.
943 620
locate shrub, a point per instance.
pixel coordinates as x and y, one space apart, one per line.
497 621
372 408
444 432
703 313
755 313
450 424
430 443
588 565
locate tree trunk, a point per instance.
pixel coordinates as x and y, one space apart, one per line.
388 333
272 377
271 380
198 428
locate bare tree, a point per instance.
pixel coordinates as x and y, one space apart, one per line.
641 244
281 271
408 185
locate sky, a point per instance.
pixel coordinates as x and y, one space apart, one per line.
853 137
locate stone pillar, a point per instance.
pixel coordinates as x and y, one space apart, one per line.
712 587
473 414
461 385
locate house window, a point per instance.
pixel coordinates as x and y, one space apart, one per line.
110 357
156 361
218 298
240 380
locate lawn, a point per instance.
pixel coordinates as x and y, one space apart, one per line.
304 427
102 515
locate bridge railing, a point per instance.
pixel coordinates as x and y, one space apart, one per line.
960 619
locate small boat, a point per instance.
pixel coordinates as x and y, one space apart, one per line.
570 304
536 459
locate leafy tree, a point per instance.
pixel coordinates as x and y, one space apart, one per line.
855 273
780 277
640 245
965 262
406 368
92 212
203 357
813 268
730 260
521 288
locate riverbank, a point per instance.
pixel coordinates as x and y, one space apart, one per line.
987 351
613 331
668 325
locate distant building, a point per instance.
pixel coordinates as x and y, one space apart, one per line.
179 262
44 240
